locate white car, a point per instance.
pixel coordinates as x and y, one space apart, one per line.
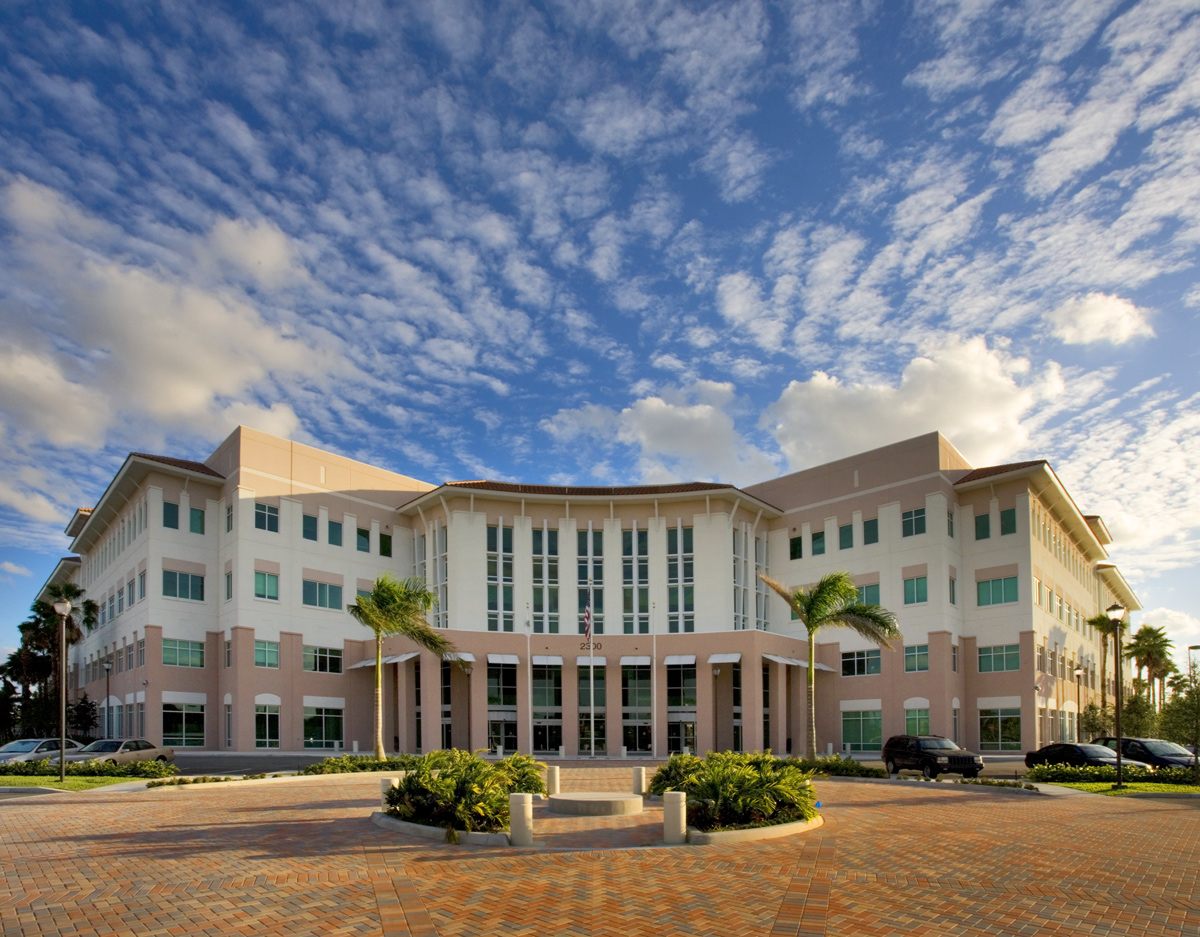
121 751
34 749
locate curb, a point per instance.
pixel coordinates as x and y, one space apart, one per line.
437 833
729 837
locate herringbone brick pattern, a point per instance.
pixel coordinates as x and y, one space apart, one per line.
302 859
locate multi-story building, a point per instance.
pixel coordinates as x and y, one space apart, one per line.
223 588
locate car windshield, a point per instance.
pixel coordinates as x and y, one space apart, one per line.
1159 747
1097 751
936 745
21 745
104 745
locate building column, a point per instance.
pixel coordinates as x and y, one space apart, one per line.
707 706
779 708
752 707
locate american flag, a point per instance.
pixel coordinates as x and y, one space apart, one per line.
587 622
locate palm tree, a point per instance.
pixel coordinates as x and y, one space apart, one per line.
833 602
1148 647
1108 629
396 608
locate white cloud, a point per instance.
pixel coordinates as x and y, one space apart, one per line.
978 398
1098 317
260 249
8 566
741 304
1183 630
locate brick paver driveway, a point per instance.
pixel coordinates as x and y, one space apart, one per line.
302 858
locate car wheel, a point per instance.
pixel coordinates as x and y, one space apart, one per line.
970 775
162 758
929 771
891 766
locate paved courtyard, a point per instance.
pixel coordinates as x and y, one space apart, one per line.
301 858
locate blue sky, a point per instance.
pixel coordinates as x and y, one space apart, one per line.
605 242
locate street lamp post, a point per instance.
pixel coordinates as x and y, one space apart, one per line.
107 708
1115 613
1195 689
1078 711
63 608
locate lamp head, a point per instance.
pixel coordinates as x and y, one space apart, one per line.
1115 612
62 608
107 666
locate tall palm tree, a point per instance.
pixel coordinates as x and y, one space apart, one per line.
833 603
1147 647
1108 629
396 608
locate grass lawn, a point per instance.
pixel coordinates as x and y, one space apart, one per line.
70 784
1105 787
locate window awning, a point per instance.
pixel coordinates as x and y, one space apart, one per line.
464 656
599 660
547 660
635 661
503 659
675 660
724 658
390 659
793 662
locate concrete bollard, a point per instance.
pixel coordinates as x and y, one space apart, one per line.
551 780
562 751
624 752
499 751
355 746
639 780
385 785
674 818
687 750
520 819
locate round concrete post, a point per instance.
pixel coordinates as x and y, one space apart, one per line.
520 819
385 785
552 779
639 780
674 818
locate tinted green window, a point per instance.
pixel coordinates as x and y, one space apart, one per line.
861 663
266 586
983 527
871 530
321 595
916 660
335 533
1008 521
846 537
818 543
170 515
363 541
916 721
862 731
196 520
309 526
997 591
999 657
385 544
916 590
1000 730
912 523
869 595
796 548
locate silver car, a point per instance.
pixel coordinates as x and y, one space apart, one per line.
120 751
34 749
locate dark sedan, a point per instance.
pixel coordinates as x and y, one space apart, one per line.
1077 756
1157 752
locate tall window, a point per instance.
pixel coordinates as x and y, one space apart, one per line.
196 520
912 523
441 575
846 537
953 591
385 544
681 607
586 700
545 581
796 548
335 533
916 721
228 518
266 517
635 580
871 530
999 730
983 526
266 726
308 526
499 578
590 579
171 515
916 590
750 603
1008 521
363 539
322 727
818 543
950 523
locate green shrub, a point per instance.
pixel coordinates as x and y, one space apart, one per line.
835 766
522 774
204 779
92 769
349 764
735 790
995 782
1069 774
456 790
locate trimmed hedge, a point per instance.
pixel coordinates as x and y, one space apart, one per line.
91 769
835 766
1069 774
349 764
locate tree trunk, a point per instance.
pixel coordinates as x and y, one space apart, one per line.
379 752
811 740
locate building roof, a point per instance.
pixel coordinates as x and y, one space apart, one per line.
179 463
991 470
573 491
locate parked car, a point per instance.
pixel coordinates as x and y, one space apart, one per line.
120 751
931 755
1080 755
1157 752
33 749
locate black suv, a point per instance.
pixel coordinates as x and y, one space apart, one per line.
931 755
1157 752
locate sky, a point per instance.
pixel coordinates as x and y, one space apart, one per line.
605 242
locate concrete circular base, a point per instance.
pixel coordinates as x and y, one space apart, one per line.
596 804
